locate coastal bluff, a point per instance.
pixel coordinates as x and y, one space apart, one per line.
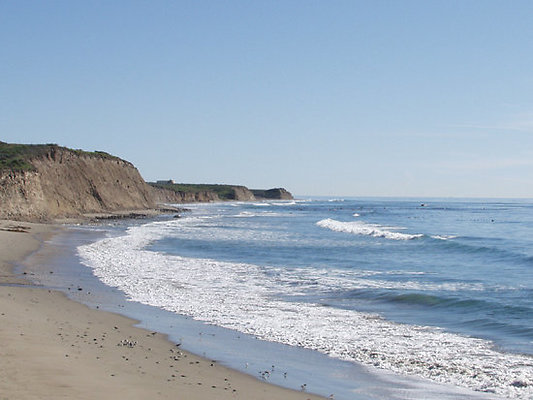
272 194
43 182
170 192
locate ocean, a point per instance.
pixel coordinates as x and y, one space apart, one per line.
437 293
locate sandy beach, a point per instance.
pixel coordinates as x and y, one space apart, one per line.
55 348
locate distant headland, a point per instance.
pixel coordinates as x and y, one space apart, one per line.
170 192
49 182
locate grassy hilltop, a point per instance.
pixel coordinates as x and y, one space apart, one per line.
18 157
224 192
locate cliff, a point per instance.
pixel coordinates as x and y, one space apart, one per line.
241 193
168 192
272 194
42 182
45 182
172 197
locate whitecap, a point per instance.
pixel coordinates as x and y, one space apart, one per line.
285 203
362 228
248 214
443 237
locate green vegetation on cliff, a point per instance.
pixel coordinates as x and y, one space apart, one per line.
274 194
224 192
17 157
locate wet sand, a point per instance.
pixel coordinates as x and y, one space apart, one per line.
55 348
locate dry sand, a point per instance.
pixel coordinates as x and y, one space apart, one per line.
55 348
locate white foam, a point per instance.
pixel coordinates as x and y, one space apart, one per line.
362 228
284 203
243 297
443 237
330 280
247 214
279 203
356 215
213 228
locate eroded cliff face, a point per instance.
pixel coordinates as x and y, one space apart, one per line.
172 197
68 184
272 194
241 193
169 192
46 182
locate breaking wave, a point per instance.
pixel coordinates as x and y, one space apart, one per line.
245 297
362 228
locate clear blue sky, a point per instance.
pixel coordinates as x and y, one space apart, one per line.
342 98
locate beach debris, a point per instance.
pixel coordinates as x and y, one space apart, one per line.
127 343
264 374
16 228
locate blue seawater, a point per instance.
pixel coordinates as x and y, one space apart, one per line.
441 289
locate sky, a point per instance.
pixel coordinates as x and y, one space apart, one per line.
334 98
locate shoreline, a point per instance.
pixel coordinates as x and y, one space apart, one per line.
55 347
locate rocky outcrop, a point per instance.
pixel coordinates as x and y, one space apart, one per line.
68 183
272 194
